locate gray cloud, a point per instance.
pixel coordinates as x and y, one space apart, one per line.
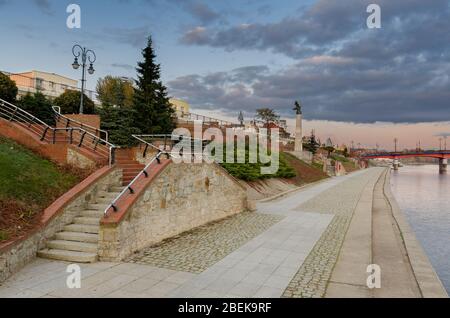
44 6
342 70
127 67
202 12
330 90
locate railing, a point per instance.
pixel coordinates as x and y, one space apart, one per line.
46 133
189 117
103 134
129 188
167 143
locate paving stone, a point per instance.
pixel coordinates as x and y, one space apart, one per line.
201 248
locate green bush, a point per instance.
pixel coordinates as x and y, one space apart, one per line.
38 106
8 88
252 171
69 101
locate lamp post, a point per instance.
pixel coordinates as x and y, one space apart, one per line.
86 55
395 144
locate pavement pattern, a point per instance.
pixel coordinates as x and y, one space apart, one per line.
291 239
312 279
197 250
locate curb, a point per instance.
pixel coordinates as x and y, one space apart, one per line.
428 281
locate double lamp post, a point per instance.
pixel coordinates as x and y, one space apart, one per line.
86 56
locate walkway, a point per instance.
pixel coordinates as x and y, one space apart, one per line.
289 252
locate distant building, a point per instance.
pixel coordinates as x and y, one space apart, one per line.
181 107
329 143
283 124
49 84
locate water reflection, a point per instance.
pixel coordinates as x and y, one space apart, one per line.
424 195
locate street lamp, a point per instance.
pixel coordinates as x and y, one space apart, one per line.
86 55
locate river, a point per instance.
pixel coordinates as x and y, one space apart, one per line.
424 196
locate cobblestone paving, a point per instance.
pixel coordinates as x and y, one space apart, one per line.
201 248
312 278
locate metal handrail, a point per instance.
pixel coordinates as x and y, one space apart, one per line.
144 172
29 121
57 111
129 188
191 116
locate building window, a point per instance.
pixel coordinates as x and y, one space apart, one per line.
39 84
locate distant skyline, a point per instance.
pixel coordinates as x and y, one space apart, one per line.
227 56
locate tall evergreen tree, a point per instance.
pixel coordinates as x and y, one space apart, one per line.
153 112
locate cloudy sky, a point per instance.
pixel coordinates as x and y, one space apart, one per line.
360 84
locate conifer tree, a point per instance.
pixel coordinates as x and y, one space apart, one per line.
153 112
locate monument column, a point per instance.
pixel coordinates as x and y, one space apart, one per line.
298 128
299 134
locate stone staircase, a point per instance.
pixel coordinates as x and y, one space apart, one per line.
79 240
130 167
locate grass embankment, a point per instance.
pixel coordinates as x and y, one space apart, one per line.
291 168
252 171
348 164
305 173
28 185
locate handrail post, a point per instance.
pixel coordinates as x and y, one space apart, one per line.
82 139
54 136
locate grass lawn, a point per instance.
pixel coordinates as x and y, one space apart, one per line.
28 185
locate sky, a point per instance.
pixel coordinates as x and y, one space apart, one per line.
356 84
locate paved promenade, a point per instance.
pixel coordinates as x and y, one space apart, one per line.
286 249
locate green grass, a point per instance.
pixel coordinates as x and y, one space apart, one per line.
252 171
28 185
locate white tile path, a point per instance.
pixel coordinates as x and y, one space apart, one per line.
261 268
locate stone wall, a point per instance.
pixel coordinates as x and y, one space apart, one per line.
76 159
182 197
15 255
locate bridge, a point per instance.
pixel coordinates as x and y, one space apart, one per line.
442 155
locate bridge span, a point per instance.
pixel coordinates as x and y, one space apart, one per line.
442 155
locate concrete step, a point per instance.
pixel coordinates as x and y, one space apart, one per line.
92 229
77 237
105 201
73 246
98 206
68 256
87 220
93 213
104 194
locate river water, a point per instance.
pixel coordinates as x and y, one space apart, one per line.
424 196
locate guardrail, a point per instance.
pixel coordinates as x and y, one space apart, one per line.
76 124
76 135
167 143
189 117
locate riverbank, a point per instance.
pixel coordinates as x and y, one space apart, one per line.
379 234
314 242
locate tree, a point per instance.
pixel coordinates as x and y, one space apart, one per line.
153 112
69 101
115 91
241 118
8 88
38 105
312 145
118 121
267 115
